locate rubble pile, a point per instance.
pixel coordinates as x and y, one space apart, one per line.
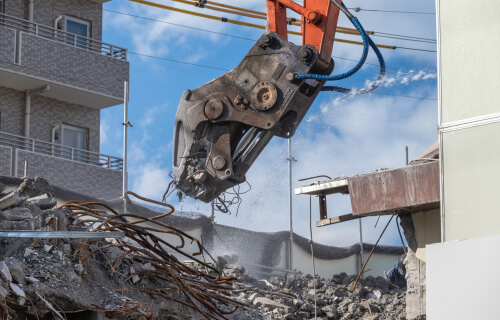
63 278
293 296
136 277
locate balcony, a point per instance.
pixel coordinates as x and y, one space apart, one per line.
79 70
78 170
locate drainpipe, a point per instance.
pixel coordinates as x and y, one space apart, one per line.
56 21
54 129
30 10
27 109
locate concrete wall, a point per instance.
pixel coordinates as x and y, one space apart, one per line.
65 64
47 10
7 44
472 172
327 268
420 228
470 117
75 176
253 248
45 113
470 70
463 279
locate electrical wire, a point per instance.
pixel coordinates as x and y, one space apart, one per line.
358 9
224 34
178 61
181 25
339 29
245 24
424 50
404 39
353 90
404 96
399 35
170 60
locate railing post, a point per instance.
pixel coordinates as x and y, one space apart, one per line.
112 54
109 162
72 154
33 146
36 29
74 40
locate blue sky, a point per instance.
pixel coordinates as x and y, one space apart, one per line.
340 136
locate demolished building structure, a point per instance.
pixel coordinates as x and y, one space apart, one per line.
85 279
412 193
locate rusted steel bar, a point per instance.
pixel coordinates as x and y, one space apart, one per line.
369 256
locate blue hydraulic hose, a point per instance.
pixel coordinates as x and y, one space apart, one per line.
369 88
349 73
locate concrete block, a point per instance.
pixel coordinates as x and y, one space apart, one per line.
10 200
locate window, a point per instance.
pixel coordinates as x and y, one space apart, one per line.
80 29
76 138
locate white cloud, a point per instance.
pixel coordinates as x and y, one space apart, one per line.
150 180
103 131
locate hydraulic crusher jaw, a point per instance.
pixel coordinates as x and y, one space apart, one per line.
223 126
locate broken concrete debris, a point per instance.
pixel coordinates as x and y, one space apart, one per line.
293 297
120 280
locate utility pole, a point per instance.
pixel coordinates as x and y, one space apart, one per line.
290 160
361 251
126 124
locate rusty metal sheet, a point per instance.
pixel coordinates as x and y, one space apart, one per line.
411 188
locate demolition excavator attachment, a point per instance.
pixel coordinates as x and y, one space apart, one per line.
222 126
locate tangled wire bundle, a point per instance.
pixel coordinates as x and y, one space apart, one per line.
208 292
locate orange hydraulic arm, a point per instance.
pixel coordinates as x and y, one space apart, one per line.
318 22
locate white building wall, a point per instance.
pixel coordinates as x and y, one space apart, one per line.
463 279
469 117
462 276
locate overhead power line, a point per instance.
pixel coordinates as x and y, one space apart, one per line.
375 33
403 96
177 61
166 59
245 24
415 49
216 68
181 25
410 37
358 9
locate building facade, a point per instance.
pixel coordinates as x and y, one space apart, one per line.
466 260
55 76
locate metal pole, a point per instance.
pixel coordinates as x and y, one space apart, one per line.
125 127
290 260
407 155
361 244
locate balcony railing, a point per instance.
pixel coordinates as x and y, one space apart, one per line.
59 151
64 37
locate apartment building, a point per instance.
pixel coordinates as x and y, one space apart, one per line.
55 76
